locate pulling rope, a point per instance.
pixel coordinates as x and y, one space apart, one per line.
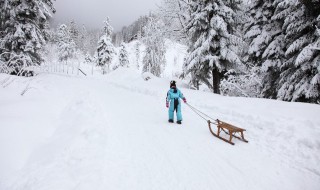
200 113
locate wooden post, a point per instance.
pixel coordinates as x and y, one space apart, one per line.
92 68
230 133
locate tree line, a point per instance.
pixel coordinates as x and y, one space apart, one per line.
264 48
259 48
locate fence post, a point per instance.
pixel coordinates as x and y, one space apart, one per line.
92 68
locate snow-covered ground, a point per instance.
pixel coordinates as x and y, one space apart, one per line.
111 132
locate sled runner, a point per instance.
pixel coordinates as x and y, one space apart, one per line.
229 129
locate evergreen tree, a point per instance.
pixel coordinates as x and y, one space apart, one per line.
129 33
137 52
260 30
154 59
23 27
74 31
299 78
212 47
123 56
265 40
281 36
66 45
105 50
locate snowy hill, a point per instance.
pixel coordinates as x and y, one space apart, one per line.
111 132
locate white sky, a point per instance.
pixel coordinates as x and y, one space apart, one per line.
92 13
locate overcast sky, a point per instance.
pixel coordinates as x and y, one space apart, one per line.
92 13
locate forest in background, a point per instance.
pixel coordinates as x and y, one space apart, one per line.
265 49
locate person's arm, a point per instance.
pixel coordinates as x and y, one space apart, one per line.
167 99
182 97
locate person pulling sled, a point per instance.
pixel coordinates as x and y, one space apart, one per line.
173 98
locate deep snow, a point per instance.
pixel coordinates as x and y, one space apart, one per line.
111 132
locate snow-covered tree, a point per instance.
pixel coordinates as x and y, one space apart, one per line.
246 84
213 41
260 30
281 34
174 13
123 56
66 45
137 52
74 32
88 59
299 78
105 49
131 32
266 43
23 28
154 59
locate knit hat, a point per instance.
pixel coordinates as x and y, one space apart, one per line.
172 83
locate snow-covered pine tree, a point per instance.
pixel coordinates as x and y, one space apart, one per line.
89 60
74 32
260 30
66 45
137 51
266 44
123 56
3 14
4 17
212 43
105 49
22 32
154 59
133 31
299 78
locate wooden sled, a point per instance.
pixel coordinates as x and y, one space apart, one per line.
231 131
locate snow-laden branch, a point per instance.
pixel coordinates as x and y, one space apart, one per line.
314 48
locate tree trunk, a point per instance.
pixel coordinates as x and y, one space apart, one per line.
216 81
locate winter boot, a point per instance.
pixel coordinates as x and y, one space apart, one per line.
179 122
170 121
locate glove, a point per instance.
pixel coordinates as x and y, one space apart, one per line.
167 104
184 100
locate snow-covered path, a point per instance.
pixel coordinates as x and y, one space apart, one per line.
112 133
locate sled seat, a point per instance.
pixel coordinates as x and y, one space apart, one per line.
229 129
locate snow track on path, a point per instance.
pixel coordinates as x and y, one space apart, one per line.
75 153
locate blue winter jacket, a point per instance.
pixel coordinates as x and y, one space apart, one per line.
171 95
